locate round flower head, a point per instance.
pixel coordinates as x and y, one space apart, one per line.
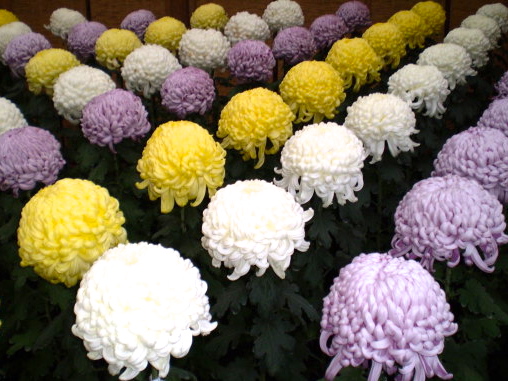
422 86
7 17
355 61
21 48
327 29
180 162
475 43
8 32
412 26
281 14
433 16
324 158
496 116
498 12
82 38
251 60
313 90
141 303
501 86
138 21
355 14
209 16
452 60
206 49
146 68
187 91
62 20
28 155
246 26
387 41
167 32
76 87
254 223
10 116
390 311
44 68
66 226
487 25
442 216
114 45
252 118
113 116
294 45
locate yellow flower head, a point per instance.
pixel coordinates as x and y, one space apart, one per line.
66 226
312 89
166 31
354 59
412 26
387 41
114 45
252 117
7 17
44 68
433 16
209 16
180 162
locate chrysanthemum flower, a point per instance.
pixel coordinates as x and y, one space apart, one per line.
422 86
327 29
254 223
10 116
141 303
66 226
206 49
498 12
487 25
355 14
44 68
146 68
281 14
412 26
7 17
433 16
167 32
138 21
313 90
21 48
246 26
8 32
452 60
355 61
251 120
474 41
180 162
389 311
387 41
442 216
501 86
62 20
496 116
82 38
251 60
323 158
294 45
114 45
209 16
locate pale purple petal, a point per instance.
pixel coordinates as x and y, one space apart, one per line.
294 45
82 37
355 14
496 116
327 29
251 60
138 21
21 48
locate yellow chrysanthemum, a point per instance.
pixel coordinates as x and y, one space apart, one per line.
355 59
180 162
7 17
387 41
412 27
209 16
44 68
66 226
114 45
433 16
312 89
166 31
252 117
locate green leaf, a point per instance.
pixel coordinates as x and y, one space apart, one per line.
323 227
233 298
263 293
177 374
475 297
227 336
26 339
240 369
298 304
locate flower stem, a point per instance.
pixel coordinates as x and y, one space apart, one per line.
182 220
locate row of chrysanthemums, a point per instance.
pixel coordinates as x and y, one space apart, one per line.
384 308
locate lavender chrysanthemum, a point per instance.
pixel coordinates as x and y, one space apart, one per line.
21 48
502 86
496 116
294 45
82 37
327 29
251 60
355 14
138 21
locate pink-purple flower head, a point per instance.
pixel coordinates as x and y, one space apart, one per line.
444 218
389 311
251 61
502 86
496 116
113 116
355 14
21 48
187 91
138 21
28 155
82 37
327 29
294 45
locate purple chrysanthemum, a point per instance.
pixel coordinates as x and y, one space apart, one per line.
251 60
390 311
113 116
496 116
21 48
82 37
188 90
138 21
327 29
28 155
502 86
355 14
442 216
294 45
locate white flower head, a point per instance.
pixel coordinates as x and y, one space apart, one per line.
62 20
379 118
205 49
322 158
474 41
280 14
254 223
141 303
246 26
498 12
423 86
8 32
10 116
76 87
487 25
146 68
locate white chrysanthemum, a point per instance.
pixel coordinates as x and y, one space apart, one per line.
246 26
62 20
452 60
141 303
205 49
10 116
487 25
475 43
322 158
498 12
379 118
254 223
423 86
280 14
76 87
8 32
146 68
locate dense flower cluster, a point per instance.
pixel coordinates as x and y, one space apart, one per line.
387 41
281 14
498 12
82 38
433 16
114 45
21 48
251 60
7 17
412 27
167 32
8 32
355 14
327 29
294 45
62 20
496 115
138 21
10 116
246 26
209 16
475 43
501 86
487 25
206 49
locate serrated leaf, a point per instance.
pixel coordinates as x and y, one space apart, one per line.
233 298
26 339
263 293
54 327
227 336
178 374
297 304
475 297
98 173
239 369
323 227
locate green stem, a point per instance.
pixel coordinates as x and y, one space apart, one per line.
182 220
